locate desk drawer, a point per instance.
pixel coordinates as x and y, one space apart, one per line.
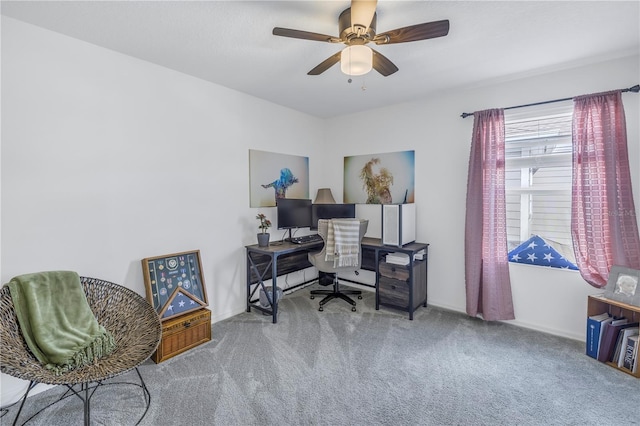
391 270
395 287
394 292
182 333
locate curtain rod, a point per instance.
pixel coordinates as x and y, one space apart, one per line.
634 89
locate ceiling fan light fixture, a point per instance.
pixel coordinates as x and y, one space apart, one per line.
356 60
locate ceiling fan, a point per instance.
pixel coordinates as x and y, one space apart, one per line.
357 26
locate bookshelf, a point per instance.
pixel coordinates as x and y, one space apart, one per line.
597 304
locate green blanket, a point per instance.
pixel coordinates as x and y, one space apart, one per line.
56 320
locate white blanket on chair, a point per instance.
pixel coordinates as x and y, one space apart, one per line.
343 242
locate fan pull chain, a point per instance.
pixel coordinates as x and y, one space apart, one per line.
363 87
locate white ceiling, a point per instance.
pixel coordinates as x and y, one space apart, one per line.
230 43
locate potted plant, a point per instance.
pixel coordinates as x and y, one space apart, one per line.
263 235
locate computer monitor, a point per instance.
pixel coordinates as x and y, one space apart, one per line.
293 213
331 211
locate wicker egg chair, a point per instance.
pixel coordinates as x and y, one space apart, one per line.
132 321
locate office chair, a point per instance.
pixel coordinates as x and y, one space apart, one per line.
318 259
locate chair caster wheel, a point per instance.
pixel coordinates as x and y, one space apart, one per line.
353 309
312 297
360 297
321 309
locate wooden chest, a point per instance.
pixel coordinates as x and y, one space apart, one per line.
182 333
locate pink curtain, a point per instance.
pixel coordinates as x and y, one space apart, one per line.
603 217
486 258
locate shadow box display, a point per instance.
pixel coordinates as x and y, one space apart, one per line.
174 283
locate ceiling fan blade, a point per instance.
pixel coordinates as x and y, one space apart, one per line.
325 65
362 12
414 33
383 65
305 35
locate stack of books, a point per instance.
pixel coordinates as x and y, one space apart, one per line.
613 340
398 258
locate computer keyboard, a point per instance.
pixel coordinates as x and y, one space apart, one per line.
306 239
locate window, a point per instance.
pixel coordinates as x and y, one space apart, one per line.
538 154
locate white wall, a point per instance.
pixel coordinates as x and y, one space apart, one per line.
107 159
545 299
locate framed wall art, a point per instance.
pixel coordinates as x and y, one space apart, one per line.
174 283
387 178
273 176
622 285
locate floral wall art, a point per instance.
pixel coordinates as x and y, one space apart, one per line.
387 178
273 176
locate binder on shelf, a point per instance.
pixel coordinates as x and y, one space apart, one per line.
610 336
594 325
628 332
630 352
603 323
634 367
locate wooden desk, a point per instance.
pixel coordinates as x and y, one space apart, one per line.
279 258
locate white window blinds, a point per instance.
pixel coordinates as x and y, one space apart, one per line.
538 173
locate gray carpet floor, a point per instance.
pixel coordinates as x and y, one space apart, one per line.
368 367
